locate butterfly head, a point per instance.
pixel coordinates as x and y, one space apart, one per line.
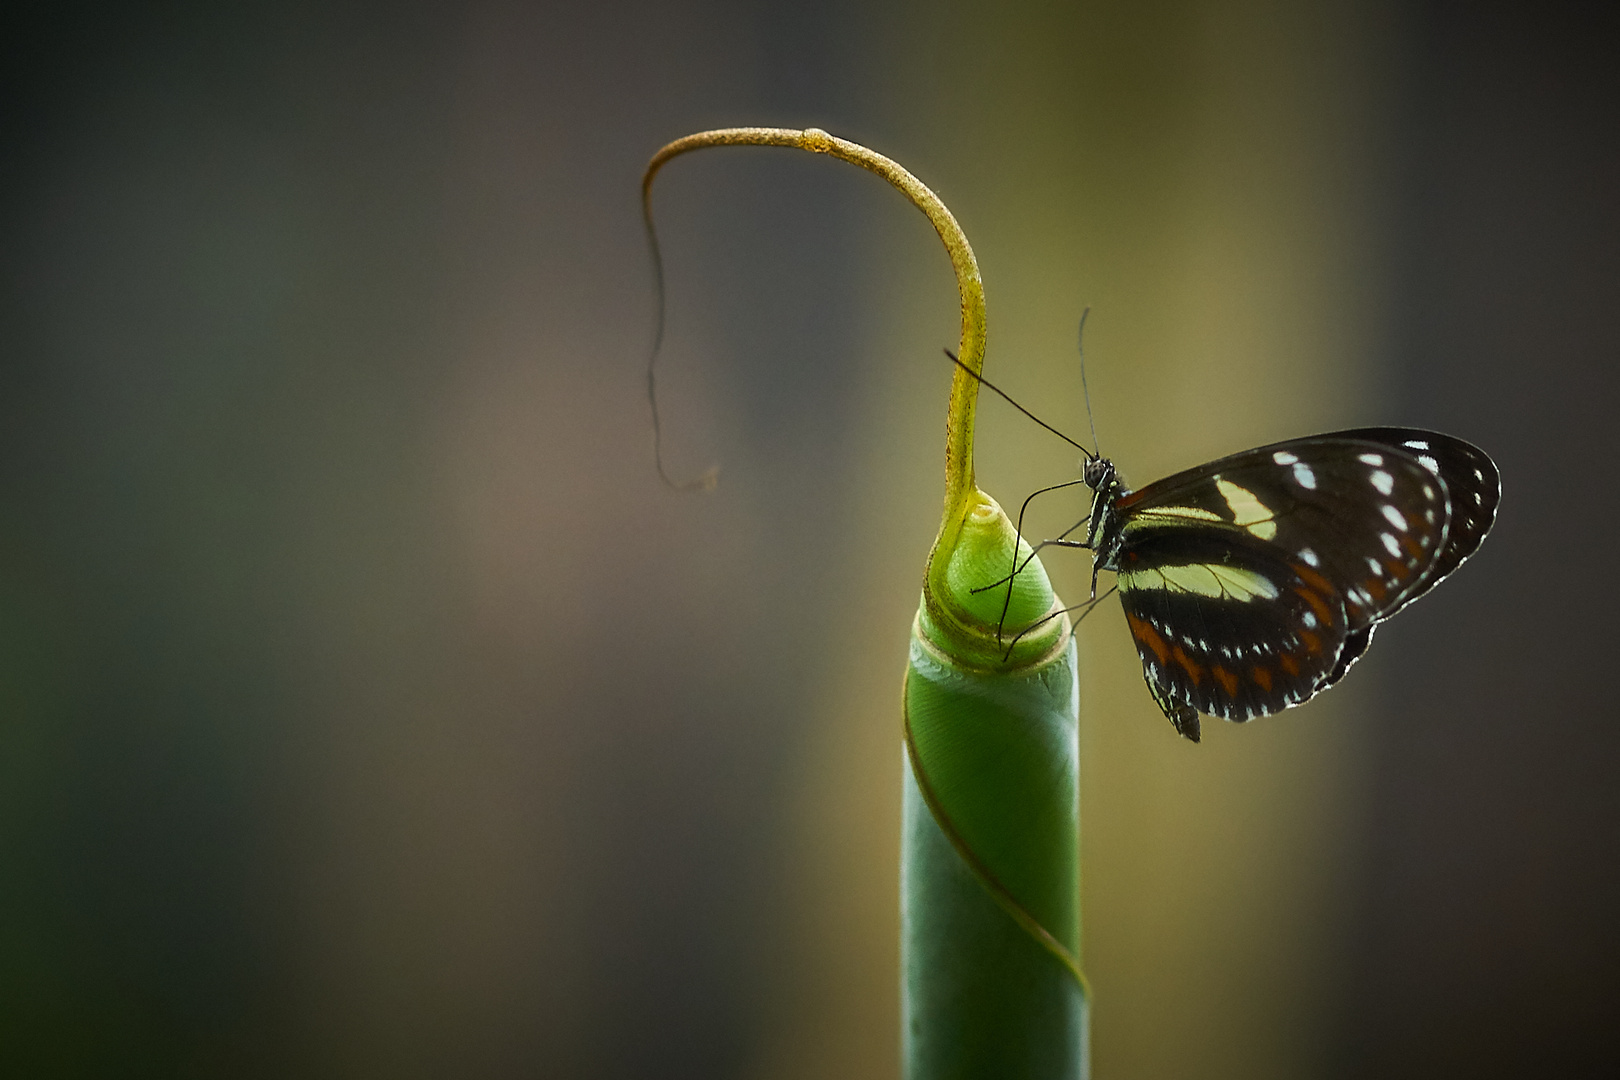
1100 474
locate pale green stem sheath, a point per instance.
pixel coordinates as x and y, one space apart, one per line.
989 868
990 935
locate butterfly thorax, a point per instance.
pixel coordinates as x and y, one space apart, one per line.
1105 532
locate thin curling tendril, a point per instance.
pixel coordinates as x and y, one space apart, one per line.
959 478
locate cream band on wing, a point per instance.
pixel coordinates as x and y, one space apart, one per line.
1171 515
1247 510
1213 580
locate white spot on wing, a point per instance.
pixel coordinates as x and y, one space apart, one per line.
1283 457
1391 544
1430 464
1381 480
1372 459
1394 517
1303 476
1309 556
1310 619
1377 567
1416 444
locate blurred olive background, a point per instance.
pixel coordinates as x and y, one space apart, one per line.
367 707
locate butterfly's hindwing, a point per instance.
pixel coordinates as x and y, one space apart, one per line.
1355 644
1224 626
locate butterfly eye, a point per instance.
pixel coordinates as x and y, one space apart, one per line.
1098 472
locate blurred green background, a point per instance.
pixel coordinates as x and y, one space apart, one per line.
367 708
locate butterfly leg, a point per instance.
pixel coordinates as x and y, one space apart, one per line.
1083 545
1089 605
1018 568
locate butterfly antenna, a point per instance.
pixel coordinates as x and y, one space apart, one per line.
1084 389
999 392
1016 569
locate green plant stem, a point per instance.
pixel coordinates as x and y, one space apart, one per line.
990 919
990 845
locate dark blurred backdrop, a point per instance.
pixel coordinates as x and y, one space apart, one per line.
367 708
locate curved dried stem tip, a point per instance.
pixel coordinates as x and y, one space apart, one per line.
965 387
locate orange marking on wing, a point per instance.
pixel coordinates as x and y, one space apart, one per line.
1289 664
1194 669
1263 677
1129 500
1313 643
1227 680
1312 578
1148 636
1376 589
1323 612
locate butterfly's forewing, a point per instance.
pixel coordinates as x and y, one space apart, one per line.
1473 489
1370 518
1473 485
1326 536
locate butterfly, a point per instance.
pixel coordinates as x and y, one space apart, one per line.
1252 583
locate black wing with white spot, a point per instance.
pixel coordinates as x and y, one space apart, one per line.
1473 488
1255 581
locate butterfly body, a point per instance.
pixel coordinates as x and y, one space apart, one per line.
1252 583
